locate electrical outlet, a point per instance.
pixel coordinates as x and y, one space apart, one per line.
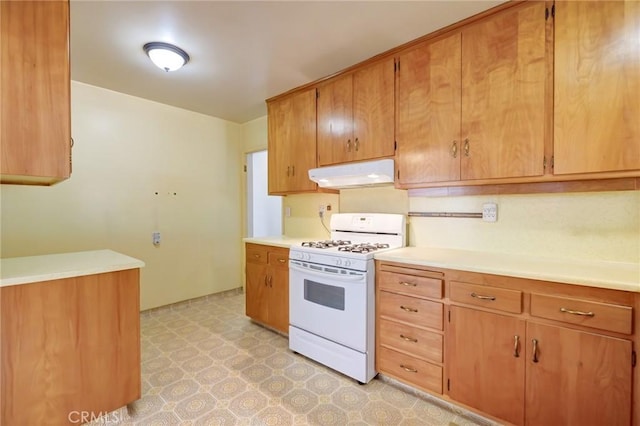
156 238
321 208
490 212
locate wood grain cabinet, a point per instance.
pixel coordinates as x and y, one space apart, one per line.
596 87
292 142
69 345
267 285
410 341
471 104
35 118
356 115
533 372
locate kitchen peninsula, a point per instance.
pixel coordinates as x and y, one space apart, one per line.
70 326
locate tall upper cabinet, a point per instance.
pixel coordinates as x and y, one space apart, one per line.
292 142
35 117
471 105
356 115
597 86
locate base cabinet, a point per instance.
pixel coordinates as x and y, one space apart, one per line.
526 352
69 346
267 285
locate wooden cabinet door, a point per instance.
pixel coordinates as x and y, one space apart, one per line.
279 297
503 94
483 370
578 378
35 123
374 111
292 142
335 121
257 292
428 121
596 86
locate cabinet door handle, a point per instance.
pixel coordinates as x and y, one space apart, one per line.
454 149
348 145
481 297
357 144
408 369
516 346
408 339
535 350
404 308
270 281
288 171
572 312
406 284
265 281
466 147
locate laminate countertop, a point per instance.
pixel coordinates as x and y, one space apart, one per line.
278 241
612 275
32 269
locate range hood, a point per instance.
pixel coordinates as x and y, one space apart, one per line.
353 175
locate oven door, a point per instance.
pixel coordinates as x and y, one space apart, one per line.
330 302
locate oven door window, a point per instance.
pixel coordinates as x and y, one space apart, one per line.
324 294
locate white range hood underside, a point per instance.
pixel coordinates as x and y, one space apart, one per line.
353 175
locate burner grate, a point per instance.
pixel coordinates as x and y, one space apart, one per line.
326 244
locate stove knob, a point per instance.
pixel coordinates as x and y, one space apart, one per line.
300 256
347 263
308 256
338 262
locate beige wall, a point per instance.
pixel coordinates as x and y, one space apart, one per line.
127 149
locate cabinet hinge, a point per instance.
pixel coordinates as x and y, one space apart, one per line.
398 174
552 162
245 167
396 66
448 384
317 93
633 358
395 145
544 163
553 11
449 315
546 13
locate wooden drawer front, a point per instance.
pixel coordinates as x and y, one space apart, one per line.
257 254
412 310
603 316
411 284
412 370
500 299
279 258
416 341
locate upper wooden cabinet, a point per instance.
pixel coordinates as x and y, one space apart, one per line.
597 87
35 123
471 105
356 115
292 142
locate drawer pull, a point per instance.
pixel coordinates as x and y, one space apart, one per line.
408 369
408 339
257 256
404 308
535 350
406 284
584 314
282 260
481 297
516 346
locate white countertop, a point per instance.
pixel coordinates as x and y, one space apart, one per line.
31 269
278 241
612 275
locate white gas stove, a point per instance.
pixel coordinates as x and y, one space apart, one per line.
332 294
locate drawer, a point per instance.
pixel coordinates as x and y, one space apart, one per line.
412 310
410 370
411 284
279 258
256 254
415 341
500 299
603 316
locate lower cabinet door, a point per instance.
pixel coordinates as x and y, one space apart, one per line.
487 368
257 292
577 378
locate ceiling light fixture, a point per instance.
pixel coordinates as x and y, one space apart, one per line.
166 56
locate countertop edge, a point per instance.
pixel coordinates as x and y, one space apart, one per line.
34 269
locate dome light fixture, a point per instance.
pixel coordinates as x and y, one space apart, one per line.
166 56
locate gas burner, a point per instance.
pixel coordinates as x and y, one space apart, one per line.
363 247
325 244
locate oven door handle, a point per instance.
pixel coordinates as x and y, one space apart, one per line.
325 275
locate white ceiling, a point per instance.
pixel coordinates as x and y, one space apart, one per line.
242 52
